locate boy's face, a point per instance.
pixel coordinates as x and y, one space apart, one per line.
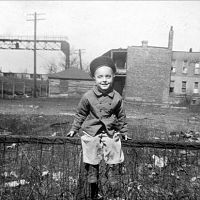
104 77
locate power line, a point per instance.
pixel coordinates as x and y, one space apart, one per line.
35 19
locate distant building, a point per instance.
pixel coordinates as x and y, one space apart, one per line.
42 77
9 75
70 82
153 74
148 74
39 76
185 76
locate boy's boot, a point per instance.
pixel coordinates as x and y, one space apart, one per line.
92 173
94 190
92 179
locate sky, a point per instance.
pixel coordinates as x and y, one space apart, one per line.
97 27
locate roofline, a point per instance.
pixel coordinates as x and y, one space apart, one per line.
78 79
187 51
125 50
21 73
150 47
117 50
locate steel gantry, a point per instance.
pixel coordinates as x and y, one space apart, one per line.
43 43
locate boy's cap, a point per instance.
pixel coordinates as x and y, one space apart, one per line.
101 61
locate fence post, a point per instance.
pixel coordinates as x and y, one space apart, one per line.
47 89
24 88
2 89
13 89
48 94
40 90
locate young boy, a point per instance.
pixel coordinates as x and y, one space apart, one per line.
101 115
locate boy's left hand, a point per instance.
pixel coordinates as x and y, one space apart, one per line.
71 134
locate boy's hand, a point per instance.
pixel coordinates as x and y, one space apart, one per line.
125 137
71 134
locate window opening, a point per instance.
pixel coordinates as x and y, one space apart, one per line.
184 86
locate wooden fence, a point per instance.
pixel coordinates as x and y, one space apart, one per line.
51 168
12 87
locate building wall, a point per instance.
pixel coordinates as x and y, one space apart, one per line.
119 84
119 58
148 74
55 87
59 87
185 67
79 87
190 81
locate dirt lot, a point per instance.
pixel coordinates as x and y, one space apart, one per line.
53 116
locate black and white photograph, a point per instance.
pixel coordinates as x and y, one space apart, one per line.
99 100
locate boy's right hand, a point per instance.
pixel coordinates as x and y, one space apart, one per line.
125 137
71 134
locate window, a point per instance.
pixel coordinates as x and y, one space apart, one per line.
196 68
173 68
171 89
196 87
196 84
184 70
184 86
193 101
185 67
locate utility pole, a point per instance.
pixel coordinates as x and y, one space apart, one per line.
80 58
79 52
35 56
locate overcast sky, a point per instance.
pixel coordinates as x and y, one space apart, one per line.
98 26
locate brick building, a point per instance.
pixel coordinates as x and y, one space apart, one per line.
153 74
185 76
148 74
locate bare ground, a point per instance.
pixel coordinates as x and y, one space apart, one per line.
54 116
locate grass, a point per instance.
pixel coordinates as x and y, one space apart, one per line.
143 121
